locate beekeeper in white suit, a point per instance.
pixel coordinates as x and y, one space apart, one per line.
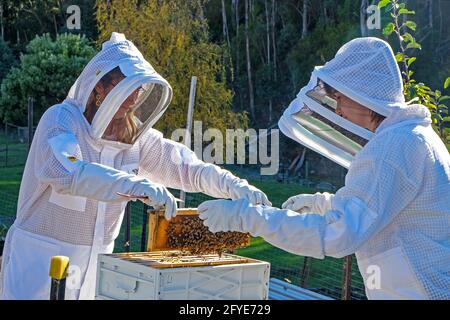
394 210
96 143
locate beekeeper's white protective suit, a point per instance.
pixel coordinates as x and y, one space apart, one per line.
68 203
394 210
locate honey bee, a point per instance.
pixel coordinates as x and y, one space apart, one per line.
188 233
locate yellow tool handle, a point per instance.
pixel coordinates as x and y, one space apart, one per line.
58 267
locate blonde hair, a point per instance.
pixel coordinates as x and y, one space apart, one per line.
125 129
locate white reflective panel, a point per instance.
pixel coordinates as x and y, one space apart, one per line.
325 130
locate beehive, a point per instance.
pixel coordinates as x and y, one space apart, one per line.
173 275
186 273
186 232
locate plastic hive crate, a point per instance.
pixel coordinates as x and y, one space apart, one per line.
153 276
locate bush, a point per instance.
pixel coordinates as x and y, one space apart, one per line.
46 72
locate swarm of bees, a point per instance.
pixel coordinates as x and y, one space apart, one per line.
188 233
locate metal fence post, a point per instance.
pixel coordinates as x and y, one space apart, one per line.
30 122
305 271
347 279
144 229
127 243
6 150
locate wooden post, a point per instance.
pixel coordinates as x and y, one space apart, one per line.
187 135
30 122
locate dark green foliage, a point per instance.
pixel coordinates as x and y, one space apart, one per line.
7 58
46 72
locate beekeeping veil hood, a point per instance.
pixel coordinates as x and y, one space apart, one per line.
364 70
133 102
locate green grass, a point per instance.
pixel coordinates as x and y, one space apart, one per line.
12 153
279 192
10 179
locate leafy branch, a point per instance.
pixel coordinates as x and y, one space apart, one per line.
414 91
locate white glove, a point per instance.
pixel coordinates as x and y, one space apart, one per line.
246 191
300 234
302 203
158 197
103 183
222 215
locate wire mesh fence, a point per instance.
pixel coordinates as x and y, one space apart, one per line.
13 145
323 276
8 207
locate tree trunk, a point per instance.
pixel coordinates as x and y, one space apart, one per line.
441 25
55 25
430 14
37 17
249 65
238 47
274 46
268 52
267 31
363 18
305 18
1 21
62 13
270 110
225 25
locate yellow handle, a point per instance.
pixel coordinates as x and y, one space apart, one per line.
58 267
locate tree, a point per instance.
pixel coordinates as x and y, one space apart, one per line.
7 58
416 91
173 36
46 72
22 20
225 24
249 62
363 17
305 19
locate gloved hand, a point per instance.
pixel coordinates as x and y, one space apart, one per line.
222 215
158 197
302 203
244 190
300 234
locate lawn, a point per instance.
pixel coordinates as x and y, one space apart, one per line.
10 179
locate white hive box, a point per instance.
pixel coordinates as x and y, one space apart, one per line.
164 276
